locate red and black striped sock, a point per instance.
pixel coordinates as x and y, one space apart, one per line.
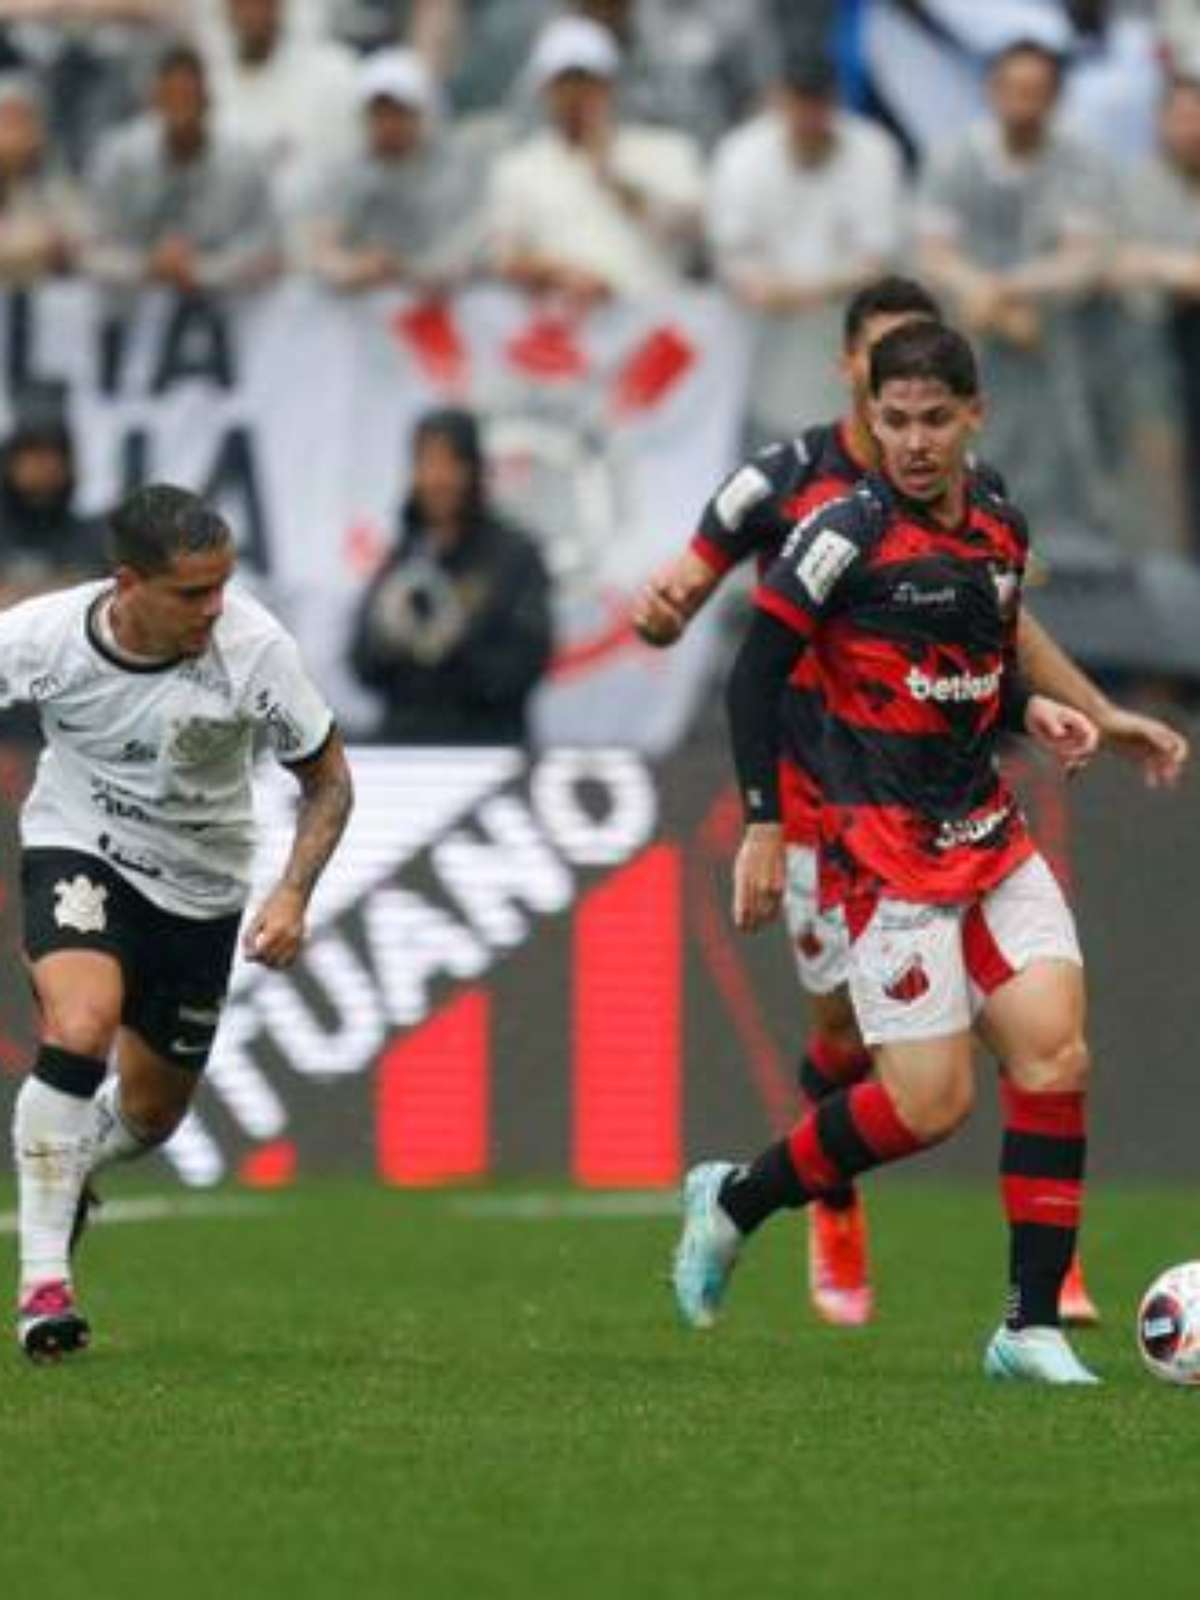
848 1133
826 1067
1041 1172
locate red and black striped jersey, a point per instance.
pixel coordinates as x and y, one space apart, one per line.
751 516
912 629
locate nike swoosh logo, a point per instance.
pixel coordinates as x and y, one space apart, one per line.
180 1047
72 727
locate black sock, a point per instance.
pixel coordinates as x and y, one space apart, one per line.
1038 1261
751 1194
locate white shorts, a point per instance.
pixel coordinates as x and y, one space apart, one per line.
922 971
819 939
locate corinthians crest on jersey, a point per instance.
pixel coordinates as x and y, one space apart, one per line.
149 768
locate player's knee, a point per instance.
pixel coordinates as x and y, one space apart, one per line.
83 1026
842 1032
934 1111
1064 1070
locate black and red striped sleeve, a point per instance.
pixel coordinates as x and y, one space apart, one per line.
809 576
745 516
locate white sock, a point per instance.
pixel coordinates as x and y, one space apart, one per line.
113 1138
52 1141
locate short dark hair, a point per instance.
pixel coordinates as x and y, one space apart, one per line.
179 56
926 350
891 296
1028 46
156 523
809 72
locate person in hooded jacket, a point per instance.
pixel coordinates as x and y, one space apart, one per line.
455 630
44 542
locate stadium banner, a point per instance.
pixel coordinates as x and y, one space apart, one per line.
293 407
524 965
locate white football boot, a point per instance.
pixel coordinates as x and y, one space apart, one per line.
1034 1355
708 1247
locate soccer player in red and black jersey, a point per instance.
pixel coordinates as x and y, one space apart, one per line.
907 593
751 515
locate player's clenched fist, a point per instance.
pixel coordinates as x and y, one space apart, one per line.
758 876
1068 735
276 930
658 616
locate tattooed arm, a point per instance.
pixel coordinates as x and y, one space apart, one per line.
276 930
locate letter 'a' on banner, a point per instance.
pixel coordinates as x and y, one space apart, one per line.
627 1025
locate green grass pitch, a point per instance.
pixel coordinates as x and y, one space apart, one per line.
345 1391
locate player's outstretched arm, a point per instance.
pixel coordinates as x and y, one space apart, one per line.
669 601
1151 744
276 930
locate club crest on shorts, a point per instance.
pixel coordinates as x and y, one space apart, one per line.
79 904
910 983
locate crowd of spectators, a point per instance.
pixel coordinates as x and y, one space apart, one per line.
585 150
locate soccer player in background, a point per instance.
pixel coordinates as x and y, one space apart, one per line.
751 515
908 593
152 687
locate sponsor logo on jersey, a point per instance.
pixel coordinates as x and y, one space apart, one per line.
45 686
131 860
136 752
79 904
205 676
284 730
912 595
823 563
971 830
114 801
746 489
956 687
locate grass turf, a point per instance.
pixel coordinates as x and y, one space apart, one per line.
349 1391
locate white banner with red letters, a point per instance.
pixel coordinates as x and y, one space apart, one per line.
293 409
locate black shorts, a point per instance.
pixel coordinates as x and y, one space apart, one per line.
176 969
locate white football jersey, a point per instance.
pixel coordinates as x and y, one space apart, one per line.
149 766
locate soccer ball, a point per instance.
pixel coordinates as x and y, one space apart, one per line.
1168 1325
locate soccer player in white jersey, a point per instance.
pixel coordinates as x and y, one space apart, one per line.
153 688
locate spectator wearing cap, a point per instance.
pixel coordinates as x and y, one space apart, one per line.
175 204
590 207
1013 226
804 207
696 65
454 632
40 208
407 209
288 98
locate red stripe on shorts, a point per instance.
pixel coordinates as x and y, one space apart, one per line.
985 961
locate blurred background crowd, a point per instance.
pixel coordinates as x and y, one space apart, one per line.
1037 162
